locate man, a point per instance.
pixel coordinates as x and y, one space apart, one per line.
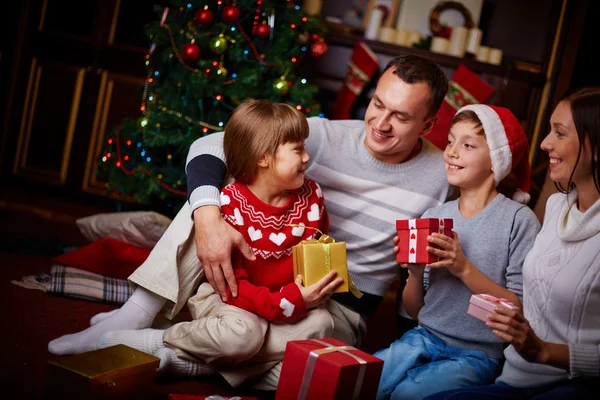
371 173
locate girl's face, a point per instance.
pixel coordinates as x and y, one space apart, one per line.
562 145
289 165
467 157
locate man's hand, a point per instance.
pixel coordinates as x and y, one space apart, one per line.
215 239
319 292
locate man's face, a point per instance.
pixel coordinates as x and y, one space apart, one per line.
396 118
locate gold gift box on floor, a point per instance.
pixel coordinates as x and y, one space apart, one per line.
313 259
113 372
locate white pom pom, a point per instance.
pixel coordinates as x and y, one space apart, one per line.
521 196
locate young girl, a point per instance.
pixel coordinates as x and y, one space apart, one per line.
274 207
449 348
555 340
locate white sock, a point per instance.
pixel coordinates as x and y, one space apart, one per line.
102 316
137 313
170 364
146 340
160 322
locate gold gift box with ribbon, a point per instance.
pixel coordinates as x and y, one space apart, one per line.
313 259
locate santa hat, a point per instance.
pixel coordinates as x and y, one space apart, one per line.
508 145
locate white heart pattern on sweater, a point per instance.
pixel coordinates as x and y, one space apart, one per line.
225 199
298 231
254 234
319 191
277 238
314 214
239 220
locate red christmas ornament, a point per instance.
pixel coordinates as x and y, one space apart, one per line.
230 14
204 17
263 31
190 52
319 48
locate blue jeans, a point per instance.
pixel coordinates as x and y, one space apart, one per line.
420 364
576 389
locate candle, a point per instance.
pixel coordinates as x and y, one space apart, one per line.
374 24
439 45
495 56
458 39
473 40
482 54
312 7
401 37
413 37
387 35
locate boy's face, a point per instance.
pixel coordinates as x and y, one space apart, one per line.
467 157
396 118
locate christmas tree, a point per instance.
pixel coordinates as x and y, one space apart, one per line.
204 58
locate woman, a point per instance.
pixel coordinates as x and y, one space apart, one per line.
554 347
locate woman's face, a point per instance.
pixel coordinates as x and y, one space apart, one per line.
562 145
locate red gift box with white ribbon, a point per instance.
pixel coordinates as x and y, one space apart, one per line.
412 238
327 369
482 305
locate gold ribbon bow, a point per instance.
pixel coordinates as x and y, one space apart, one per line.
325 240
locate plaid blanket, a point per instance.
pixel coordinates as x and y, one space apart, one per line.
80 284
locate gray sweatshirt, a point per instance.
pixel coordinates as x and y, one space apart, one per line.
496 242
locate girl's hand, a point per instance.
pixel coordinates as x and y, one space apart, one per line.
511 326
450 253
319 292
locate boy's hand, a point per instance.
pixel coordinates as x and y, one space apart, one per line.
450 253
319 292
396 240
415 269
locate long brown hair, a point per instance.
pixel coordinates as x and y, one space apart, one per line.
256 128
585 108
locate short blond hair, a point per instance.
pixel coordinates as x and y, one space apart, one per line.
256 128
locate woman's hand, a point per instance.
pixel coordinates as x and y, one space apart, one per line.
450 253
511 326
320 291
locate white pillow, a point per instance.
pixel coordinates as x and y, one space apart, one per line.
138 228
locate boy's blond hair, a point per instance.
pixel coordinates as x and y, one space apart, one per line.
256 128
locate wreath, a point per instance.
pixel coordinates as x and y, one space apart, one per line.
436 28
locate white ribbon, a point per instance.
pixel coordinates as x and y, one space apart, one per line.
412 240
329 348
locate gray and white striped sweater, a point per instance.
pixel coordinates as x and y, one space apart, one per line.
364 196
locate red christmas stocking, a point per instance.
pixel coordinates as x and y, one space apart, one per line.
361 68
466 87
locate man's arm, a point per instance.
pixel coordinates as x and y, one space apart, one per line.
214 237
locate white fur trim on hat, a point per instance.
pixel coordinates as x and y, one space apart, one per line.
497 141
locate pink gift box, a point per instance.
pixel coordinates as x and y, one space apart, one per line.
482 305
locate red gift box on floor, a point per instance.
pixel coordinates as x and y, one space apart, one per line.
481 305
412 238
213 397
327 369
